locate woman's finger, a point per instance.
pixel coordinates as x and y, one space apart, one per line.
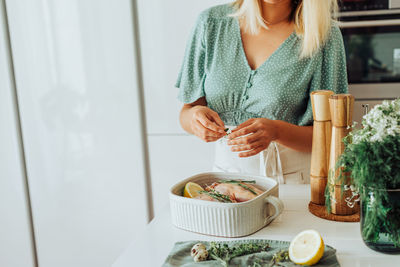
210 132
252 152
211 139
217 119
251 146
244 131
245 140
244 124
204 132
210 124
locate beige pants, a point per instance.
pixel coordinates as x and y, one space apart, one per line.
281 163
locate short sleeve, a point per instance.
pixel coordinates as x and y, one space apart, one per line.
192 73
331 73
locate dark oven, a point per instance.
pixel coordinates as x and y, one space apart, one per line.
371 34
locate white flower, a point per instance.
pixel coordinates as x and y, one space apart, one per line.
382 121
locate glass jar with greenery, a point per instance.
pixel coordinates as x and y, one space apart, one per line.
372 154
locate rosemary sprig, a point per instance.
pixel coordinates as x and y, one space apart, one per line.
240 183
237 181
227 131
224 253
248 188
280 256
218 196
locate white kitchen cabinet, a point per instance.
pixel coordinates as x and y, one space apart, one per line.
16 240
164 31
77 88
174 158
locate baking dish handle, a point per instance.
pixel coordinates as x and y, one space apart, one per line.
278 205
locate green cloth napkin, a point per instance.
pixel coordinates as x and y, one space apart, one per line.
180 255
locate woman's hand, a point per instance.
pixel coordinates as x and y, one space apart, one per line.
206 124
253 136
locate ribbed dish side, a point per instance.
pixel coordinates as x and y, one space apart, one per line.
217 221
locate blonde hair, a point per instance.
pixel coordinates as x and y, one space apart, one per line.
312 18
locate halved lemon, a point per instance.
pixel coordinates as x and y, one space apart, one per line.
306 248
192 190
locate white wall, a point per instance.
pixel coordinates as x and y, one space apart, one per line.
16 246
164 31
77 87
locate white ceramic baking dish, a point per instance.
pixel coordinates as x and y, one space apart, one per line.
225 219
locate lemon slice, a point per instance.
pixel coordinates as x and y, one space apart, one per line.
306 248
192 190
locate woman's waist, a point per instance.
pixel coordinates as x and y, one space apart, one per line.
277 161
237 116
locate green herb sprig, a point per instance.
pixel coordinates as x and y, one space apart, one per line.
227 131
240 183
217 196
224 253
237 181
374 168
280 256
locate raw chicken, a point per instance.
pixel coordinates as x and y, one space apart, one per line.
203 196
235 191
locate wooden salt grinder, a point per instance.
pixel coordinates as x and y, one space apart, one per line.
341 106
320 145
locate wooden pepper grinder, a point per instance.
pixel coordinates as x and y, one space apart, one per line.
341 106
320 145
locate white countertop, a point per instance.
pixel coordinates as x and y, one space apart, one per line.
153 245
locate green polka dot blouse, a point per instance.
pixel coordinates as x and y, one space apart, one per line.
215 67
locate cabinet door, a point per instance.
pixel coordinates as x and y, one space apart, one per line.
77 88
16 244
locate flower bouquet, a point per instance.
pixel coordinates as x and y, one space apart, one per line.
372 155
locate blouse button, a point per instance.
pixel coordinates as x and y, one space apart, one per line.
249 85
246 97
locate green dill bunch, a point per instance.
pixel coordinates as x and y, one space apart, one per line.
372 153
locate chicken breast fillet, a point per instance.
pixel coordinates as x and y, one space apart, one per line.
236 191
205 197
